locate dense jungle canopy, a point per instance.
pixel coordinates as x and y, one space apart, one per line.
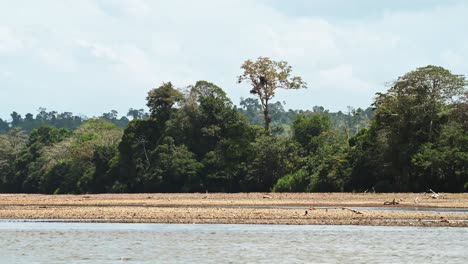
414 137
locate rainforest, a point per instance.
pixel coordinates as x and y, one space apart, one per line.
414 137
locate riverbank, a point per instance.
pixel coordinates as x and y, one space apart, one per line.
244 208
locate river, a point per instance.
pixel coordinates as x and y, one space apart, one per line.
38 242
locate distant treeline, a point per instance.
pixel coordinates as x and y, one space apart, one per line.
63 120
350 122
414 137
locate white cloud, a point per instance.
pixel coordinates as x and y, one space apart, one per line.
134 64
457 57
133 8
125 47
99 51
9 41
60 60
341 77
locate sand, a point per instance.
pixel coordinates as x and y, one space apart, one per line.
242 208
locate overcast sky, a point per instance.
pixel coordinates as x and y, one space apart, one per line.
91 56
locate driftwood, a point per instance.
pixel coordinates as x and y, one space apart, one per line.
352 210
394 202
267 197
445 220
333 208
434 194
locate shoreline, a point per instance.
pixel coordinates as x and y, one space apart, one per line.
241 208
424 223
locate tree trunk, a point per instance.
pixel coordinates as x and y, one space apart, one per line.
267 117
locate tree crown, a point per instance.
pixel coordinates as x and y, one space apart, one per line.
266 75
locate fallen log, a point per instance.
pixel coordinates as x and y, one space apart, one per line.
434 194
445 220
392 202
352 210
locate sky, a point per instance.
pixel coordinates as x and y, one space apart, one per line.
93 56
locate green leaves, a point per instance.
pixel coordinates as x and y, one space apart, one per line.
412 115
174 169
274 158
161 100
77 158
311 131
197 140
444 164
11 144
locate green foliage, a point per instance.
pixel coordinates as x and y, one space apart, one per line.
160 101
203 145
326 167
294 182
329 169
64 120
29 164
11 145
137 113
311 131
4 126
349 123
133 158
411 114
174 169
367 161
112 117
198 141
274 158
444 164
78 163
99 179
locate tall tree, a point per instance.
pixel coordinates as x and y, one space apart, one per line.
443 165
11 145
175 169
136 113
4 126
274 158
160 100
311 131
16 119
70 165
29 174
265 76
412 113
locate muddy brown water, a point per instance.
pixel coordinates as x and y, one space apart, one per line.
38 242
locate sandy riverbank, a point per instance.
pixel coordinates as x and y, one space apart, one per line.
243 208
